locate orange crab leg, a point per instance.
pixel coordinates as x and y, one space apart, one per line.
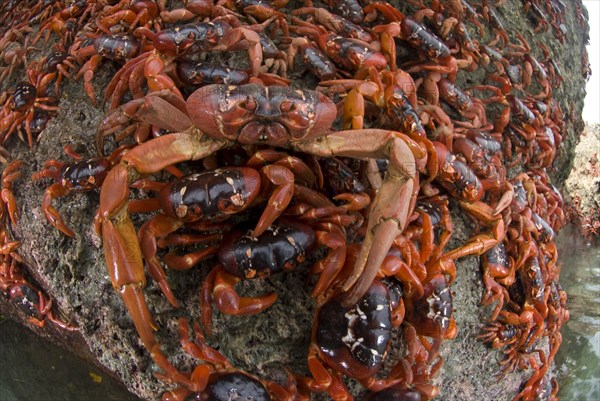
394 266
323 380
283 178
158 226
270 156
241 38
393 204
199 349
220 284
10 174
479 244
189 239
54 191
354 201
228 301
136 80
129 283
121 247
332 263
129 279
115 88
157 79
88 74
189 260
126 16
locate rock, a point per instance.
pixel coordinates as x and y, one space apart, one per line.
73 273
582 187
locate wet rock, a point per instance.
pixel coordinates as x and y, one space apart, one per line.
582 187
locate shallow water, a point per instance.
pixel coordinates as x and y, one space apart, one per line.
579 354
32 368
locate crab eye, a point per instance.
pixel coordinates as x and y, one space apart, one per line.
287 106
250 103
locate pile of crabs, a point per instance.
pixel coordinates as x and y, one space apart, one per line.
342 146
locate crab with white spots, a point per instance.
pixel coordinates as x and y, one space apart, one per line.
219 116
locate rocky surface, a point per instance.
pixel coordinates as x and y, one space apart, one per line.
582 187
73 273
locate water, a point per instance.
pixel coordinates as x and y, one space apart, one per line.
31 368
579 354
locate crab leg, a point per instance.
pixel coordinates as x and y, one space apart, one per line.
241 39
10 174
121 246
219 284
269 156
158 226
330 266
283 179
162 109
229 302
392 205
323 379
481 243
54 191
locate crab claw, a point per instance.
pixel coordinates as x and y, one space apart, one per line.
392 205
387 220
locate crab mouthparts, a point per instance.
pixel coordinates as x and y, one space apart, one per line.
269 133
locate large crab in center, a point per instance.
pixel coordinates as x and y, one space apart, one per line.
218 116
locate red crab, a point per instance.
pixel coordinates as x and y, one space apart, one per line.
422 39
29 299
212 196
395 93
80 176
353 341
21 107
218 116
283 246
217 379
169 45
